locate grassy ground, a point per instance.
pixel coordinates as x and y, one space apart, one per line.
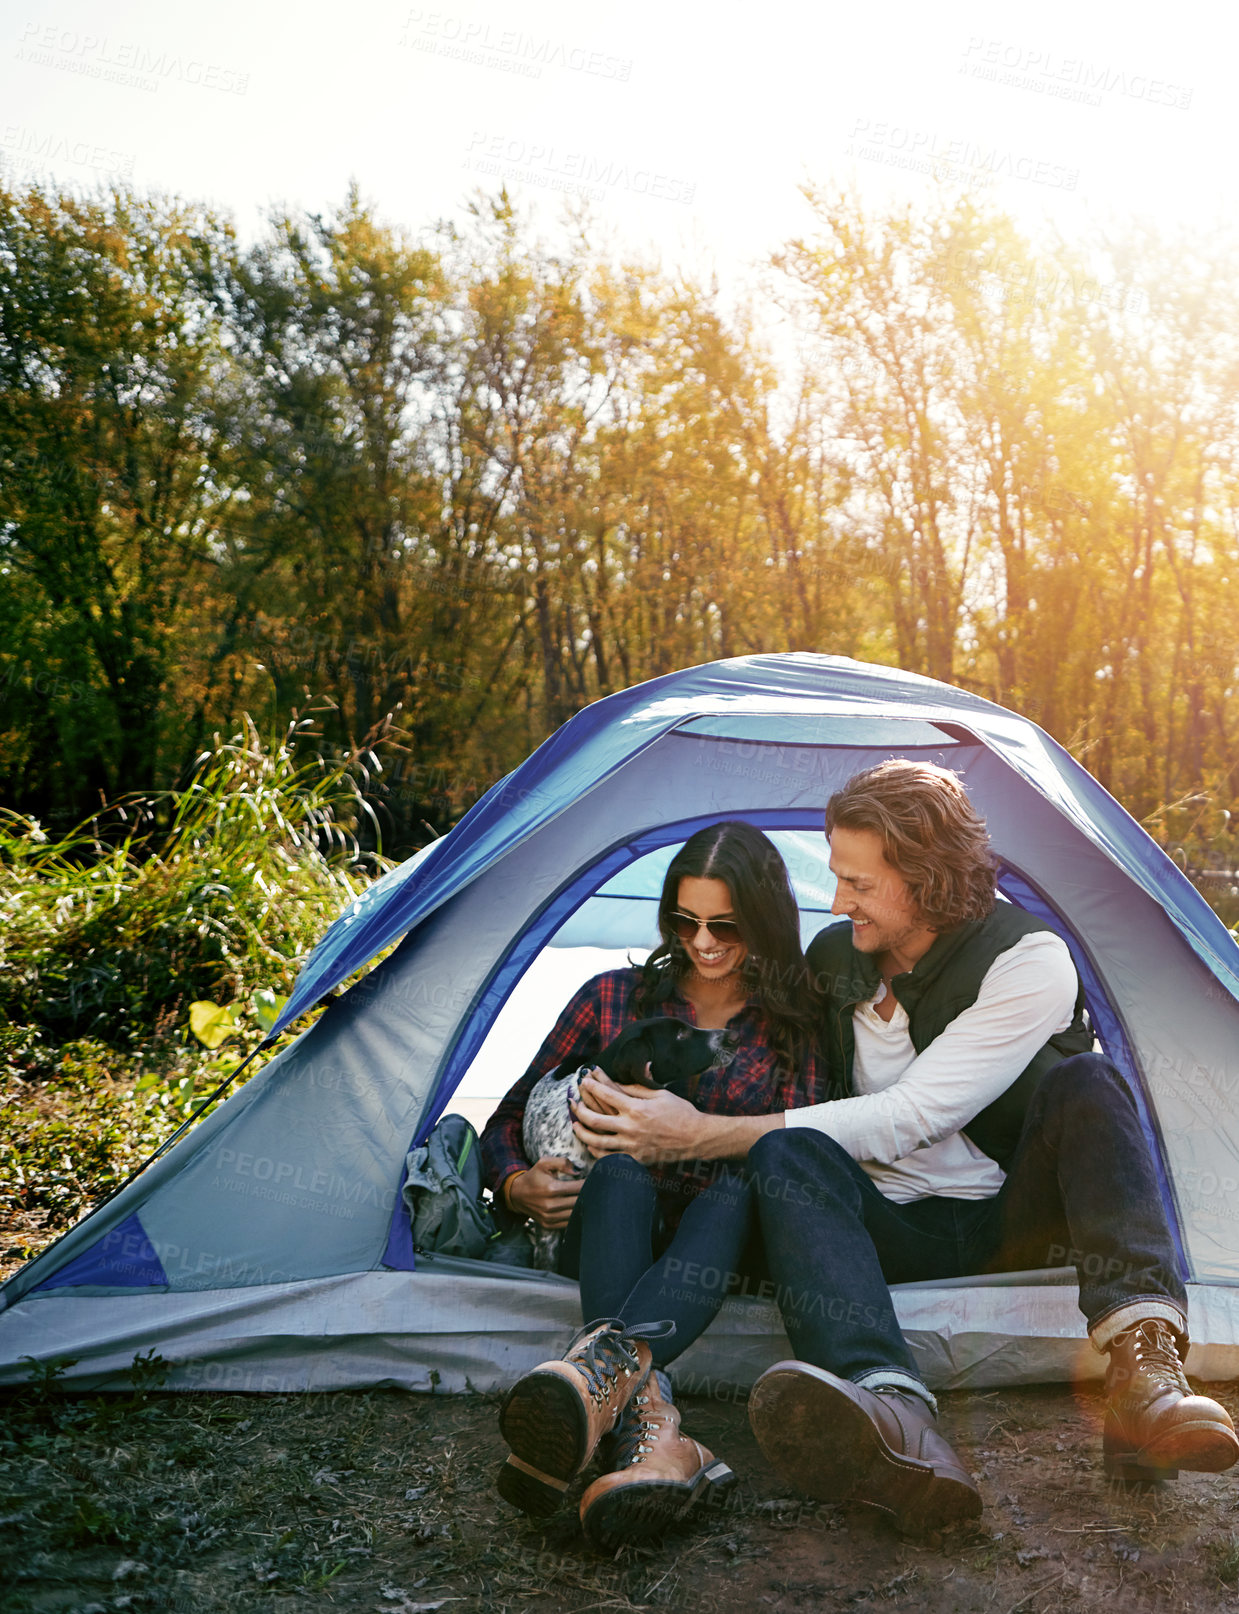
384 1502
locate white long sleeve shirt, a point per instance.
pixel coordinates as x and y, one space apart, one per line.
903 1124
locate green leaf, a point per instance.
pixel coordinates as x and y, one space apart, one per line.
212 1024
265 1006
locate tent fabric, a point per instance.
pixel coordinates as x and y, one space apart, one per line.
268 1234
624 912
480 1332
125 1258
584 753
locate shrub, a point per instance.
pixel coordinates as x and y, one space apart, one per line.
106 934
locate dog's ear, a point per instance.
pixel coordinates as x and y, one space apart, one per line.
627 1064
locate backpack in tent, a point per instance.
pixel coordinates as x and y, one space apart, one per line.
270 1248
443 1198
443 1192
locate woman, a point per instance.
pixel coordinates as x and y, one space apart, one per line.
729 956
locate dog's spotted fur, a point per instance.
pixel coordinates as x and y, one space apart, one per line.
675 1053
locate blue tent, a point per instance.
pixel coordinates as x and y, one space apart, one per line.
269 1248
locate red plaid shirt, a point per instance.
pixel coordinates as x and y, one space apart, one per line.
753 1082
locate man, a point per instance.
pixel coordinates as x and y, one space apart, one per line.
971 1131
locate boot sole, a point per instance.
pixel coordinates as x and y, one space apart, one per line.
539 1494
828 1447
1201 1448
646 1511
547 1429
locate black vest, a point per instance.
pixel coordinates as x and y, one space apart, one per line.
937 988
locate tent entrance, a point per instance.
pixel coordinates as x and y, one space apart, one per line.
613 904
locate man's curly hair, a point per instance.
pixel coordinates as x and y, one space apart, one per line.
931 833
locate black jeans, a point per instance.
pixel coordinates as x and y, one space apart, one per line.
629 1266
1081 1190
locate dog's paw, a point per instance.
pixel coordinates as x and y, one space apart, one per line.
545 1250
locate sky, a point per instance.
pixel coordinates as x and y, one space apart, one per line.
688 130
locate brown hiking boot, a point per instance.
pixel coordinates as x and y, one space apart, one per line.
658 1475
840 1443
1154 1424
555 1416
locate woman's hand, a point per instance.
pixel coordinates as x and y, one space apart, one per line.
547 1191
648 1123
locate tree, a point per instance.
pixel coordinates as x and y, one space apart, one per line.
107 355
881 322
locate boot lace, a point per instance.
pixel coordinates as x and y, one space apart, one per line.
1157 1353
603 1358
630 1436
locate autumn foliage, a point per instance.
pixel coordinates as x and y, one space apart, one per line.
467 483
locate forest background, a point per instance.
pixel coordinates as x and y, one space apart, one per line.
463 485
410 503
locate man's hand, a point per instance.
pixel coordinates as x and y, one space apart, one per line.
547 1192
648 1123
653 1125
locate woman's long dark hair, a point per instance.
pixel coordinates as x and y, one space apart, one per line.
774 973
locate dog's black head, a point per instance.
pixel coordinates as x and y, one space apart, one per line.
674 1051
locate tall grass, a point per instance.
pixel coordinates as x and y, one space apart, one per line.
109 932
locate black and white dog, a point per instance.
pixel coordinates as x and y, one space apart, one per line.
675 1054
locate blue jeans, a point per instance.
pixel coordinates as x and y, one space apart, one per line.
630 1266
1080 1190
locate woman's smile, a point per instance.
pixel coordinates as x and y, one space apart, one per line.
705 899
709 959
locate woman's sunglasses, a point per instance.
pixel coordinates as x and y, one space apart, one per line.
686 927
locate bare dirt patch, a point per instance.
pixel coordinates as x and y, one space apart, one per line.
384 1502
